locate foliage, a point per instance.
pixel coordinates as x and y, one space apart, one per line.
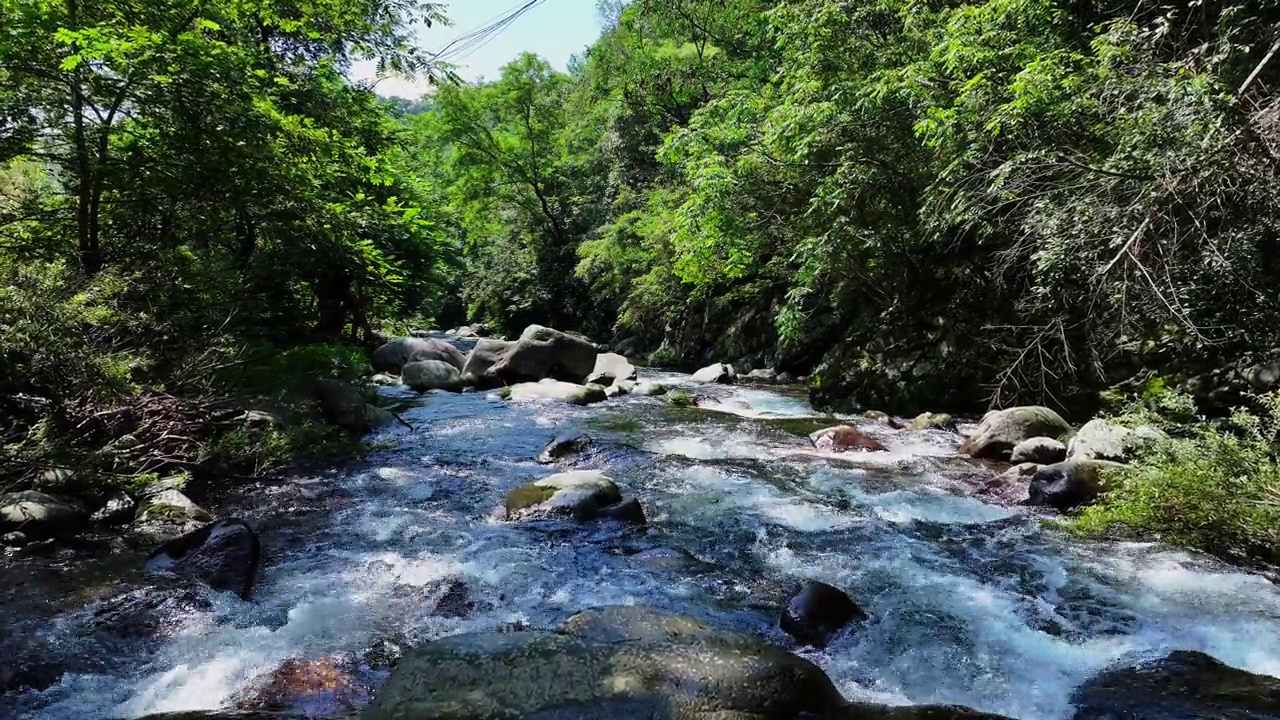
1217 489
679 398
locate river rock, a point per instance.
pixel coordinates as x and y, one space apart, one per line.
649 388
118 509
424 375
563 446
717 373
933 421
557 390
842 438
1068 484
40 515
225 555
308 688
477 371
582 495
344 406
1039 450
611 369
147 612
621 663
1104 440
393 356
169 513
1182 685
763 376
818 612
542 352
1001 430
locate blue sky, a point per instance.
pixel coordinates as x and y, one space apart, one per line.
556 30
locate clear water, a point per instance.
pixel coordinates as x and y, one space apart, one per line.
970 603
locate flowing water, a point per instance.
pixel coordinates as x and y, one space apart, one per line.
970 603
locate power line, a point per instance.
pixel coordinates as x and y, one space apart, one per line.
466 45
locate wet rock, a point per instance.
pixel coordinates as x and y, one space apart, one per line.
169 513
26 663
673 560
478 369
557 390
225 555
864 711
717 373
1001 430
384 379
933 421
425 375
1039 450
649 388
818 612
610 369
383 654
14 539
119 509
1068 484
1104 440
40 515
563 446
542 352
582 495
843 438
613 391
877 416
762 376
310 688
454 600
1179 686
628 511
785 378
146 613
622 663
393 356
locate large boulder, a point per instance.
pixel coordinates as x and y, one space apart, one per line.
717 373
818 612
1104 440
1068 484
39 515
1039 450
557 390
622 663
1001 430
545 353
1182 685
477 371
225 555
612 369
424 375
843 438
583 495
393 356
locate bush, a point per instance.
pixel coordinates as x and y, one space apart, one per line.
679 398
1216 489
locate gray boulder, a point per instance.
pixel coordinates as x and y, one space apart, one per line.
1068 484
717 373
393 356
344 405
612 369
1038 450
622 663
582 495
545 353
1001 430
763 376
169 513
1183 684
225 555
39 515
1104 440
933 421
424 375
477 371
649 388
557 390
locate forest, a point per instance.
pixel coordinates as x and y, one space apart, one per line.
920 205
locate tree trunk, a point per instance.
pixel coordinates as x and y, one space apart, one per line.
86 192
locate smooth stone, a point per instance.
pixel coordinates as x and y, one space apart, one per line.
563 446
842 438
1068 484
818 612
717 373
39 515
1039 450
425 375
580 494
225 555
1001 430
557 390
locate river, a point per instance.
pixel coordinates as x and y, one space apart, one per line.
969 603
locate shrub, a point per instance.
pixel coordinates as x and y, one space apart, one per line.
680 398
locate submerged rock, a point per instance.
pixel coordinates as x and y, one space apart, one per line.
621 663
1039 450
818 612
557 390
225 555
1179 686
563 446
1068 484
542 352
1001 430
843 438
393 356
717 373
40 515
582 495
146 612
1104 440
424 375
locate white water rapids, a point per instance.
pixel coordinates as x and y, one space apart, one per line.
970 603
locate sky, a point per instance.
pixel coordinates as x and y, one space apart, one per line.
556 30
